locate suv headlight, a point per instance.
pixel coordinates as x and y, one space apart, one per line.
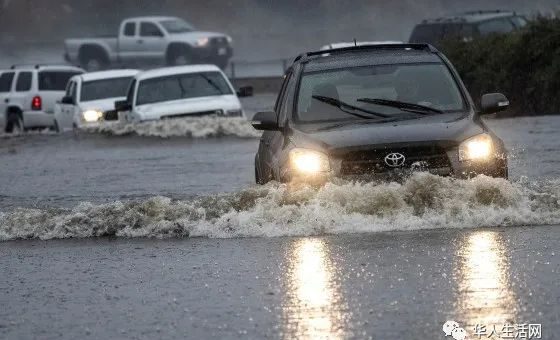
91 116
476 148
309 161
202 42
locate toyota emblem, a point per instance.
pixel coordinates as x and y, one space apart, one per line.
395 160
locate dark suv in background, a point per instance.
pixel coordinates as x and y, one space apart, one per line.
466 26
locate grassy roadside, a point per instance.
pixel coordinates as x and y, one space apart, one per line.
525 66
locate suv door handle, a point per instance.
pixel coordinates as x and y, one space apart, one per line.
6 100
140 41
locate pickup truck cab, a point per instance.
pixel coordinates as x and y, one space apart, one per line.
90 98
28 94
151 41
178 92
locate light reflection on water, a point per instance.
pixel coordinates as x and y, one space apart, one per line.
485 295
313 308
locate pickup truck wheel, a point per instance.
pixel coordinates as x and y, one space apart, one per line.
93 64
179 56
93 59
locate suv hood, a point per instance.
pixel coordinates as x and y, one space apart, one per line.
186 106
107 104
409 131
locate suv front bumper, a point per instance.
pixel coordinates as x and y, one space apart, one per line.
495 167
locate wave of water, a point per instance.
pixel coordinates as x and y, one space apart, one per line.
195 127
423 201
5 135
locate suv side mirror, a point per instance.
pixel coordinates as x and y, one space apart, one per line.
122 105
245 91
265 121
67 100
493 102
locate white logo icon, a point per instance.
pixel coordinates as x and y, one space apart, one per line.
451 328
395 159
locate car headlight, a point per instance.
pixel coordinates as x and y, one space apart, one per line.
229 39
202 42
309 161
476 148
91 116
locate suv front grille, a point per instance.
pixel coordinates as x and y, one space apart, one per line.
373 161
110 115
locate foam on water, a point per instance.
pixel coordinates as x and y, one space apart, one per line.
423 201
5 135
196 127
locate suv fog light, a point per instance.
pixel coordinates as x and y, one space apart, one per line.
309 161
476 148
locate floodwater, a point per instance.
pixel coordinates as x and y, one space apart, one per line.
159 232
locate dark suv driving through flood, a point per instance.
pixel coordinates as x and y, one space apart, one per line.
376 112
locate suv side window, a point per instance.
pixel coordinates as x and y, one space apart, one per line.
148 29
23 81
288 100
6 80
129 29
501 25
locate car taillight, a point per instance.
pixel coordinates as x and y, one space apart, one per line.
36 103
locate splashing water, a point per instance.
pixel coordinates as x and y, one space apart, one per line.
423 201
196 127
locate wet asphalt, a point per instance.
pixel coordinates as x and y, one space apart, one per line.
400 285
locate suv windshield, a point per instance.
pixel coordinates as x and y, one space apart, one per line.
176 26
181 86
55 80
105 88
426 87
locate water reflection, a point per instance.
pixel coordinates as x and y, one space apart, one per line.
485 293
313 308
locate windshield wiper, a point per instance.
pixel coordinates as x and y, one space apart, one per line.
377 121
410 107
212 83
341 105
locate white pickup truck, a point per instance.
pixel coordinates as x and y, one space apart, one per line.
150 41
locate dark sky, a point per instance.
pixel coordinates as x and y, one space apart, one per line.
260 28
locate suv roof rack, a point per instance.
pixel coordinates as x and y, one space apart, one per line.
373 47
37 66
487 12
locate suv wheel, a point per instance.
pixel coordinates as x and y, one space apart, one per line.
14 124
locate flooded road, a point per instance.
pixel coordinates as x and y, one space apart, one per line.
381 261
400 285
